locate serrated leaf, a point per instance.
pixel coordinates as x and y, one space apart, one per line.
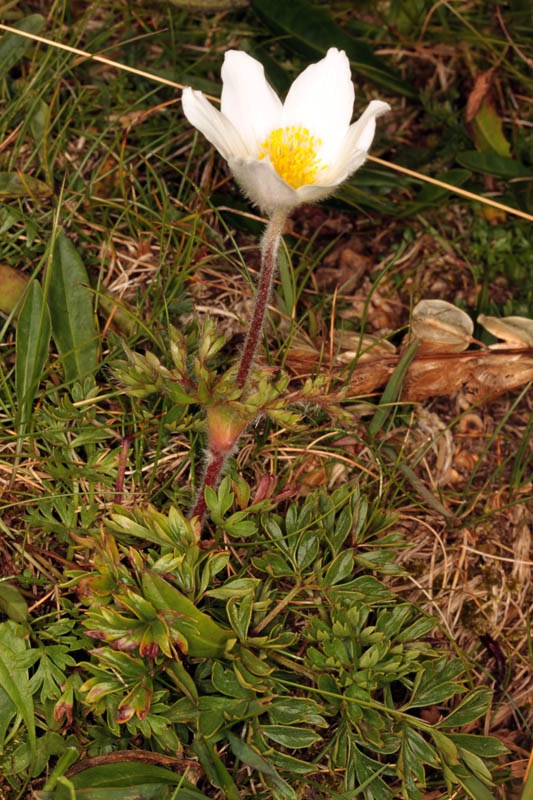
313 30
71 309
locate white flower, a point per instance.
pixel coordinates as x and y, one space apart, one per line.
284 154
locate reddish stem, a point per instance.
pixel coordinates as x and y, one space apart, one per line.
269 262
269 259
211 476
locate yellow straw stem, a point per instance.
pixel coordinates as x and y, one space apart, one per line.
456 189
109 61
94 57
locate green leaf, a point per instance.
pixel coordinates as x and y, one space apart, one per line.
250 757
435 694
39 122
488 132
239 587
312 29
238 526
7 711
475 788
340 568
291 764
491 163
12 602
71 308
421 749
290 736
274 565
13 47
472 707
287 710
308 549
225 681
215 769
15 184
484 746
33 338
446 747
392 390
141 791
124 774
240 614
368 771
14 681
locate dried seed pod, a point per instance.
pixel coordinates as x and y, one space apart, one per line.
515 331
442 327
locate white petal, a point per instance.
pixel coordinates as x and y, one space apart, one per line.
262 185
216 128
248 100
313 192
321 99
354 148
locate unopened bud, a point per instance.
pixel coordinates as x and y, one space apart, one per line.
224 427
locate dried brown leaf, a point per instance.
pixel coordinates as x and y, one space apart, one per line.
477 95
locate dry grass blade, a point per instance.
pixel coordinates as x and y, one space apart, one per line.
463 192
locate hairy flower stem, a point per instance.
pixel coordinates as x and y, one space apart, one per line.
223 438
269 262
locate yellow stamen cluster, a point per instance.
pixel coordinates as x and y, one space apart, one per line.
293 154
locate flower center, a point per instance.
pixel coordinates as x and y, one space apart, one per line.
293 154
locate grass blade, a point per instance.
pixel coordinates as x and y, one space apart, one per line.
393 389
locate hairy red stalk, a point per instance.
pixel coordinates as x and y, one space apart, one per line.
224 435
269 263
